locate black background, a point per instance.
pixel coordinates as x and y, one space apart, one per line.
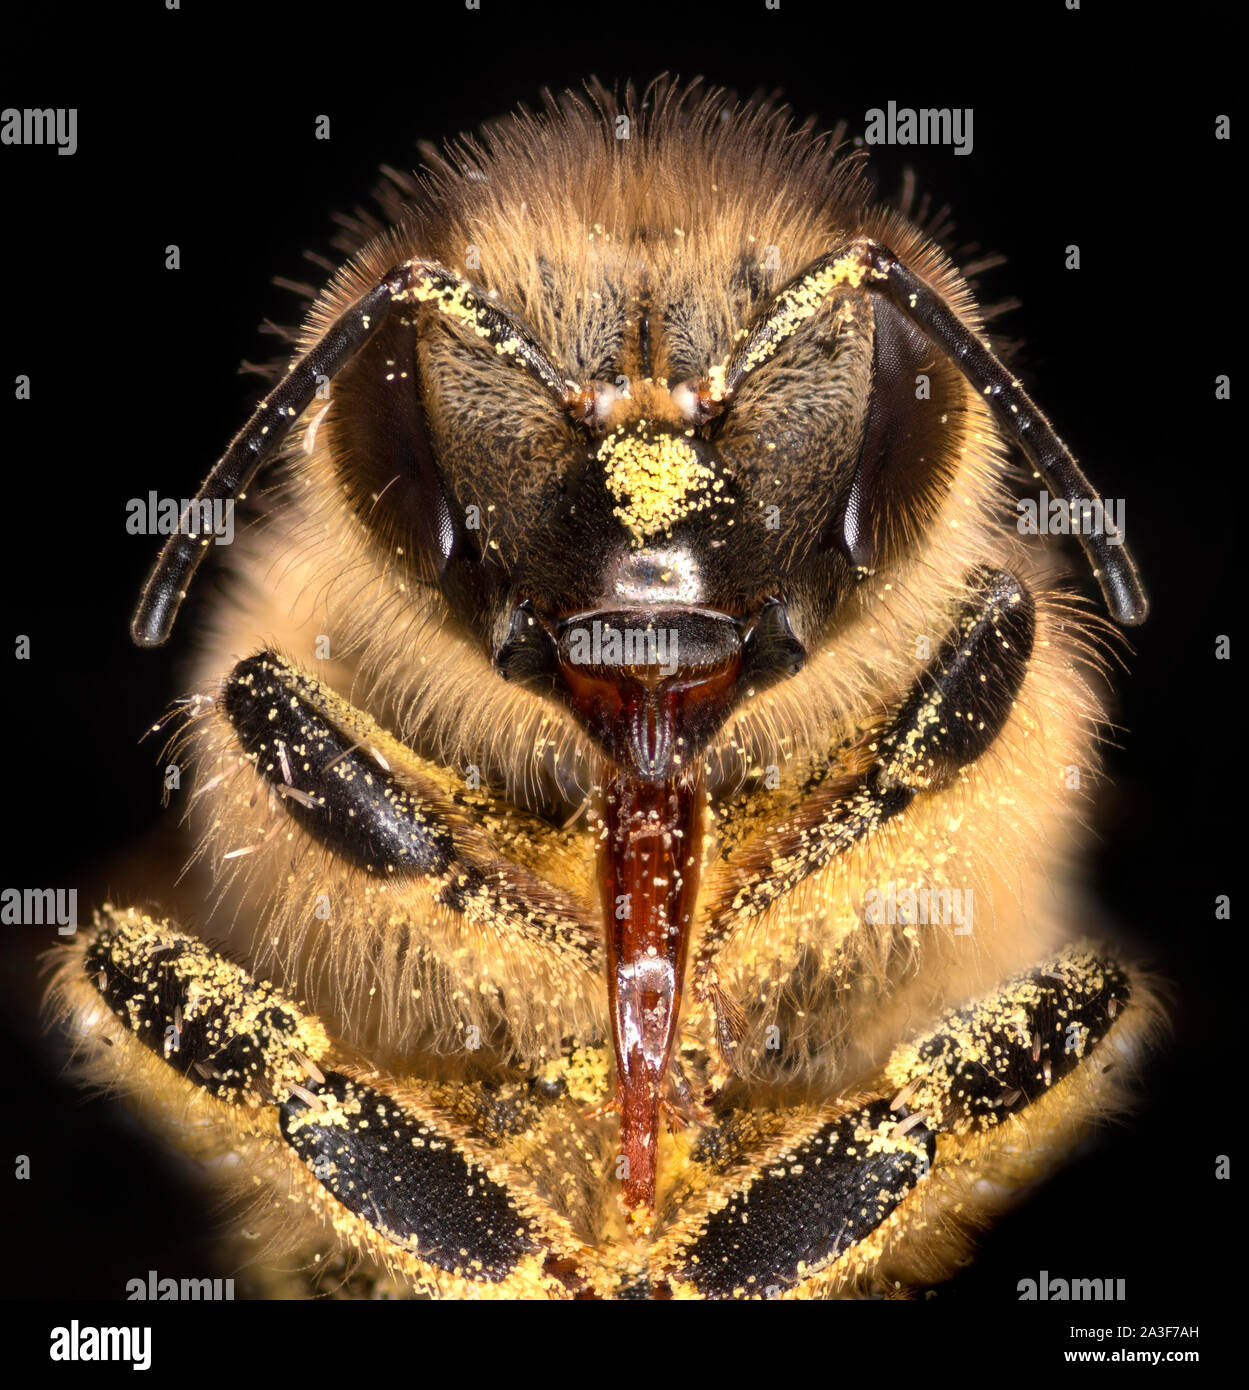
196 128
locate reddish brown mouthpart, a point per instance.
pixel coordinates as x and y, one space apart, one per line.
650 857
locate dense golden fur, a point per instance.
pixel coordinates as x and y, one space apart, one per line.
567 225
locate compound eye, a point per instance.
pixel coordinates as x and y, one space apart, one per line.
380 447
909 454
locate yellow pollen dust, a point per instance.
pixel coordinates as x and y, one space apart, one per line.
656 482
458 303
802 301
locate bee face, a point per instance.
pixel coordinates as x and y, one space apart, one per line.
707 531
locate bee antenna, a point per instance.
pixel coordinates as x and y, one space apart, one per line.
259 438
416 282
1017 413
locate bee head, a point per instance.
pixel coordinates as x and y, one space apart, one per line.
645 463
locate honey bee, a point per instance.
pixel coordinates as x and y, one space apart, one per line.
636 761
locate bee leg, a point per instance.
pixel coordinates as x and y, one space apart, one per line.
875 1193
386 1170
1011 1084
792 1208
951 716
393 823
404 836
